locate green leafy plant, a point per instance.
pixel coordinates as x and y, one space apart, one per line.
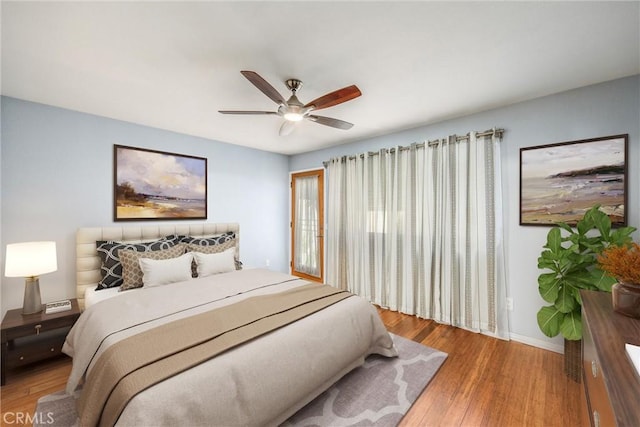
569 259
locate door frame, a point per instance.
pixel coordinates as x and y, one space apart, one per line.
305 173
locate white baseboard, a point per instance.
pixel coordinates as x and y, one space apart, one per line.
557 348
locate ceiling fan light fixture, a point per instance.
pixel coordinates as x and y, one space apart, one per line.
293 116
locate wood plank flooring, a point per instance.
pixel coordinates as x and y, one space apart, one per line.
488 382
484 381
26 385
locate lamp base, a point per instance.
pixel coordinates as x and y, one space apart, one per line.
32 303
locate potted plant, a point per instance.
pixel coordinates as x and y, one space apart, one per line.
570 265
623 264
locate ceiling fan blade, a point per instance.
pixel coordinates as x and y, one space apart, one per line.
264 86
336 97
328 121
247 112
286 128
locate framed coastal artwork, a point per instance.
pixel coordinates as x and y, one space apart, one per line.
560 182
155 185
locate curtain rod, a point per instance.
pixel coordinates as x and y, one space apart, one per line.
491 132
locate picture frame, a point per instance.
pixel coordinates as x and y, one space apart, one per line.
157 185
560 182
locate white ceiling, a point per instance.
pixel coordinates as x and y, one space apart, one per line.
173 65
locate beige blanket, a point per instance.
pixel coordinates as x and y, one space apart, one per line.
261 382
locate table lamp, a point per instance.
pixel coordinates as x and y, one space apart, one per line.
30 260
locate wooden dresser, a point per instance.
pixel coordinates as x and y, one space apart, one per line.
611 384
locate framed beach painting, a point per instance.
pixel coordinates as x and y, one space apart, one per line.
155 185
560 182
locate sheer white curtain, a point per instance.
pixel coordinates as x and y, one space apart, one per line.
419 230
306 257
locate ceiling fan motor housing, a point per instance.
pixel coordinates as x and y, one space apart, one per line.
294 85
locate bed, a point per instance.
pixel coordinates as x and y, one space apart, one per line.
262 379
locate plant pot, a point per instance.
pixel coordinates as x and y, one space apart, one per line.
626 299
573 359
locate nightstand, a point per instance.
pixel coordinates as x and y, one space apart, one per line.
34 337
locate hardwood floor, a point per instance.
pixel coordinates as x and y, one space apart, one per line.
26 385
483 382
488 382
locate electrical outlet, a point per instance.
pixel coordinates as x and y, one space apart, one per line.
510 304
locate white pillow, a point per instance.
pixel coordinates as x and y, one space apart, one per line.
156 272
208 264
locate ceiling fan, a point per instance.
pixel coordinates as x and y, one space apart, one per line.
292 110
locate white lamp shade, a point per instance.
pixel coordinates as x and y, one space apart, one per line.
30 259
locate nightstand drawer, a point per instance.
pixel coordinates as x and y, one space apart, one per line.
23 351
37 328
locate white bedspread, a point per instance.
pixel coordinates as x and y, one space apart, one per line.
262 382
92 295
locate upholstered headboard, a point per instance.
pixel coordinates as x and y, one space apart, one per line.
88 261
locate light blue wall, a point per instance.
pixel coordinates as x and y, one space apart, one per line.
604 109
57 175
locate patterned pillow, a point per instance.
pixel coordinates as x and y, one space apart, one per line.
130 260
111 269
212 249
210 241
